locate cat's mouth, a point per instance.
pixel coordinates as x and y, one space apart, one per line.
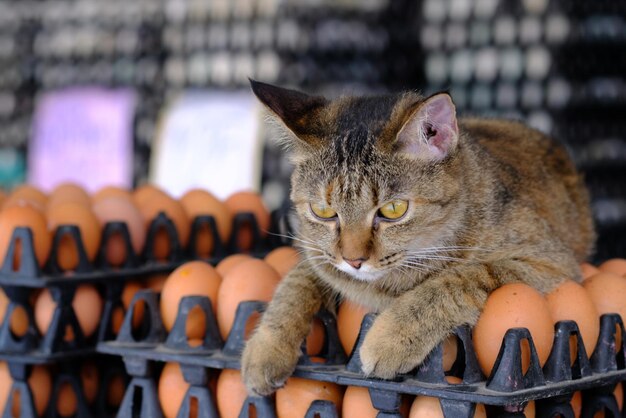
365 273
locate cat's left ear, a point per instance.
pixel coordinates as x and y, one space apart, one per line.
431 132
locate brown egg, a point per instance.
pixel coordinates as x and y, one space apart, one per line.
615 266
11 218
250 280
241 202
588 270
67 401
40 384
513 305
68 193
142 194
172 389
87 305
19 318
357 403
224 266
175 212
294 399
571 301
130 288
156 282
199 202
577 403
349 318
283 259
115 209
315 339
607 292
231 393
90 380
108 192
190 279
29 194
90 232
115 391
430 407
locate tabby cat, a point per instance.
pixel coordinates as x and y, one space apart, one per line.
416 215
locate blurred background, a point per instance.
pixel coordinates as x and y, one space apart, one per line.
121 92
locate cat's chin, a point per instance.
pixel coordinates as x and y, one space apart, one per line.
364 274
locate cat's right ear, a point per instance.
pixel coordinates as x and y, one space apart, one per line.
298 111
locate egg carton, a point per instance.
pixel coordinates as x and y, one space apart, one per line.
506 391
29 274
20 395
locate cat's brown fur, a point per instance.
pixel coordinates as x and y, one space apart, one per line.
503 204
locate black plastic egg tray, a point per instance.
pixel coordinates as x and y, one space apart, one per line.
505 392
20 283
67 372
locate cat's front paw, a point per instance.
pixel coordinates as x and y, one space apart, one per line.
387 349
267 362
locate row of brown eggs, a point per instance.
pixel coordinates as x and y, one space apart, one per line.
40 383
69 204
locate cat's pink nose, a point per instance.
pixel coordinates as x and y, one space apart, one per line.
356 263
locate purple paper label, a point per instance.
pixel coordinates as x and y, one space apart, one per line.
83 135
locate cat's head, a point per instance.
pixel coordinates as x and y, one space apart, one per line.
375 182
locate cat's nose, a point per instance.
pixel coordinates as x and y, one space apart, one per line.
356 263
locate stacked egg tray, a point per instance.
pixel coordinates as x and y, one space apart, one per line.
506 392
21 277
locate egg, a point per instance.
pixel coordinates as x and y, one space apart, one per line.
607 292
190 279
316 337
87 306
142 194
358 403
510 306
224 266
430 407
283 259
39 382
89 228
115 209
89 378
175 212
130 288
231 393
197 202
244 202
19 317
588 270
108 192
26 195
26 216
156 282
615 266
576 403
68 193
295 398
349 318
67 401
571 301
250 280
172 390
116 389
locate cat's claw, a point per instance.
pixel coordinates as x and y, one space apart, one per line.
385 353
266 363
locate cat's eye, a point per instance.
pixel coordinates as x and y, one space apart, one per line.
323 211
394 209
